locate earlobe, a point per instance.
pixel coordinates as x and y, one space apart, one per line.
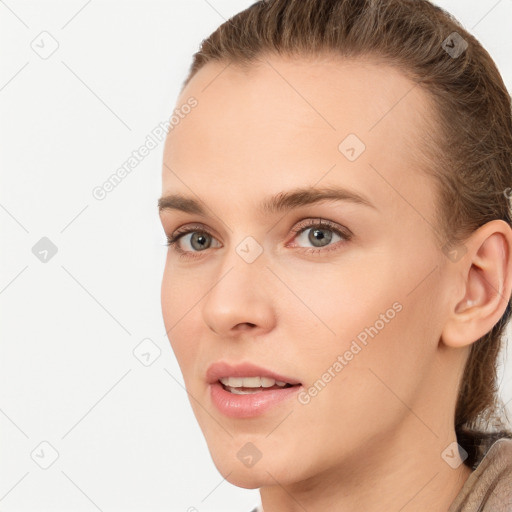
486 276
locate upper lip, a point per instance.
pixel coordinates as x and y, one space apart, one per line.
221 369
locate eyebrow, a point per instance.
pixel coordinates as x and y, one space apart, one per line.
280 202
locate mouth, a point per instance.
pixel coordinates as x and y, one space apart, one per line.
251 385
245 390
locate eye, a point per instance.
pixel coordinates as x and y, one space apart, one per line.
320 234
195 236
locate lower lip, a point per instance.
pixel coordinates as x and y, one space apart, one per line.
251 404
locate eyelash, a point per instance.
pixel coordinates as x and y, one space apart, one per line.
172 241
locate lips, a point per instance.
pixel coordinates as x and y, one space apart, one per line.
247 402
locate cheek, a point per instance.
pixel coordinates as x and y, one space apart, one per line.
179 294
357 400
370 333
336 301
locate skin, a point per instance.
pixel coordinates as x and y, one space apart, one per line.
372 439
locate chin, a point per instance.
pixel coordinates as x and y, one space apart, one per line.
236 466
247 479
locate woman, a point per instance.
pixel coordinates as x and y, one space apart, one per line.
339 269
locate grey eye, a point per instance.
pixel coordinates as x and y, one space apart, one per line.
318 237
198 240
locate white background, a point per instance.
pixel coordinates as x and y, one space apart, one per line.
124 432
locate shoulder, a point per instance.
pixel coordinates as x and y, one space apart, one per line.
499 468
489 487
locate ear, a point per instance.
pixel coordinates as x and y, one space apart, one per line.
485 275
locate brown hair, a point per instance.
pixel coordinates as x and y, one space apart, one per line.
470 150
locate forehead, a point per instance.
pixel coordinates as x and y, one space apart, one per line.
287 122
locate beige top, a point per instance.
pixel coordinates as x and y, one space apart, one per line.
489 487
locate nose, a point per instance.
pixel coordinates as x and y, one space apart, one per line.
241 298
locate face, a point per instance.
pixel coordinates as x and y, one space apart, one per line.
335 294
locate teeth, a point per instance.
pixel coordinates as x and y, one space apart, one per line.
267 382
250 382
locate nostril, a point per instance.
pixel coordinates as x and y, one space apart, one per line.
246 325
